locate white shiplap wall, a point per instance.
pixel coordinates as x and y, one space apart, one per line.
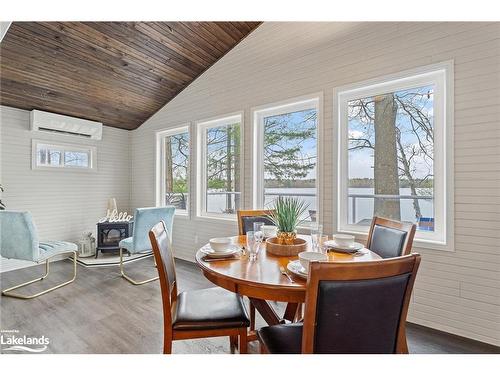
64 203
458 291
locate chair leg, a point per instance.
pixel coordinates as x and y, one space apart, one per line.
402 345
167 347
299 316
262 348
243 341
252 317
7 292
233 344
128 278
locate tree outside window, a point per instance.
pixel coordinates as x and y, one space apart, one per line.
176 182
391 171
223 166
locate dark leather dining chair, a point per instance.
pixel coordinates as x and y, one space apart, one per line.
195 314
389 238
356 307
246 219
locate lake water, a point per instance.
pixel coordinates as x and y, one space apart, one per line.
363 209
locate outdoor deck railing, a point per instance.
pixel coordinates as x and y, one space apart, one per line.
353 198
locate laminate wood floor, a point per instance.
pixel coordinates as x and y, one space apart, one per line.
103 313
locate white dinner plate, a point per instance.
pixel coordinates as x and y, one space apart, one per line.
296 268
230 251
331 244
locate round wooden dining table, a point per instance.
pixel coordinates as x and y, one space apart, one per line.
262 280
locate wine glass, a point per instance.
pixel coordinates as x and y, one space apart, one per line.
316 232
322 240
258 232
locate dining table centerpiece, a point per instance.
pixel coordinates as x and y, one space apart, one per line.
287 215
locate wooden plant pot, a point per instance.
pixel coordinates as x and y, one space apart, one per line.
274 247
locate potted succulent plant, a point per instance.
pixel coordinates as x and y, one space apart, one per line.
287 215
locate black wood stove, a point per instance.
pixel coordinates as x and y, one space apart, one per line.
109 235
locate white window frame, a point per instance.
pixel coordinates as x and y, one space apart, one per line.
440 75
160 165
201 165
63 147
286 106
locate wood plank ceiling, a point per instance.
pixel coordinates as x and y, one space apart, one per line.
118 73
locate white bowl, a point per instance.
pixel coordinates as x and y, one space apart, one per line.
344 240
220 243
269 230
307 256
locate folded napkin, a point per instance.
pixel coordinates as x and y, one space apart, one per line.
341 250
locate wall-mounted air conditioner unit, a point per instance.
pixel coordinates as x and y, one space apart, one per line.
67 125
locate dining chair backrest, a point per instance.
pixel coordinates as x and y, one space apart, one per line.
358 307
18 236
164 257
246 219
144 219
389 238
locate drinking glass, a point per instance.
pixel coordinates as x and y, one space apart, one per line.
252 245
258 232
322 240
316 232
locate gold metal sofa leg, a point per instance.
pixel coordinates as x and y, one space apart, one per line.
128 278
7 292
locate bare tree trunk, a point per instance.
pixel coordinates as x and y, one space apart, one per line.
169 172
386 158
229 178
43 157
237 186
407 172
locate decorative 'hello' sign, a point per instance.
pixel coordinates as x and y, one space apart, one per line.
115 216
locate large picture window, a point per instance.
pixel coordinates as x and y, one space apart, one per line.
392 148
286 154
219 166
173 184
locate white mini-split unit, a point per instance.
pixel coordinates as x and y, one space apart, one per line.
67 125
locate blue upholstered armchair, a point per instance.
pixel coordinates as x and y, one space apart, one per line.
144 220
19 240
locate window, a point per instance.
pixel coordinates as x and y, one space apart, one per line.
393 136
286 154
63 156
173 169
219 166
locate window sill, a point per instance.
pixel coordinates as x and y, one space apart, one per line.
64 169
221 217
